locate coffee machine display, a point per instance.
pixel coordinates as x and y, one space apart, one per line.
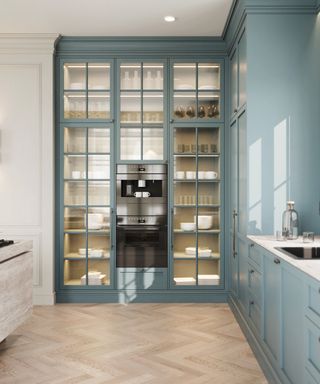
141 229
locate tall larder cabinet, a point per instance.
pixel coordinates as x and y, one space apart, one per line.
136 105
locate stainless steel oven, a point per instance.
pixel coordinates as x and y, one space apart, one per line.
141 216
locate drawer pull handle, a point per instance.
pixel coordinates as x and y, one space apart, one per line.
276 261
319 290
251 271
252 302
235 110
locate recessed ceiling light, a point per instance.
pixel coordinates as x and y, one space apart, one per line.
169 19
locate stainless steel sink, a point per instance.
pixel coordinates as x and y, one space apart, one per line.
303 253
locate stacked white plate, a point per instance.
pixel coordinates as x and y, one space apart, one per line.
94 278
185 281
208 279
203 252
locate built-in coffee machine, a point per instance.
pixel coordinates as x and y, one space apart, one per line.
141 216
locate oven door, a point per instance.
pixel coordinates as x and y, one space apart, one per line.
140 246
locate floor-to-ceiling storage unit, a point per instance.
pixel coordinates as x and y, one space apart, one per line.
135 106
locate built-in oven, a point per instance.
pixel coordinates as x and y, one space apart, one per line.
141 230
142 241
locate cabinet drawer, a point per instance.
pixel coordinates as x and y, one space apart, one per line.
254 283
312 339
255 254
255 314
308 378
141 278
313 302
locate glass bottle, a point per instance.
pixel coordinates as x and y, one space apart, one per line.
290 222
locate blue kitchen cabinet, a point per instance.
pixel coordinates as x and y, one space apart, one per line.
243 273
139 104
292 323
272 302
238 74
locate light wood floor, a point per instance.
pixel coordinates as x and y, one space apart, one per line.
129 344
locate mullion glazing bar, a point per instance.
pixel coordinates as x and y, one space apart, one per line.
141 109
87 204
87 91
197 96
197 201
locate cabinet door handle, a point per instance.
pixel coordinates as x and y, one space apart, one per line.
235 110
251 245
251 271
319 290
276 261
251 302
234 215
171 121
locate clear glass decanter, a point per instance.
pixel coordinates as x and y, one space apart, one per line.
290 222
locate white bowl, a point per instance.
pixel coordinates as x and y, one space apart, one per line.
201 174
211 175
180 175
204 221
188 226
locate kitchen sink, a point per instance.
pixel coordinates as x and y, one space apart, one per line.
305 253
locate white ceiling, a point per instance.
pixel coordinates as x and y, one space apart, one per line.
114 17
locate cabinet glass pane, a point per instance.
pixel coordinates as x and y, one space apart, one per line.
184 140
74 193
75 105
74 140
130 76
99 105
99 220
208 272
74 219
98 264
98 272
74 166
98 140
98 76
208 193
74 246
130 107
208 76
208 140
184 76
153 107
98 166
208 246
208 105
130 143
73 271
208 168
184 193
75 76
184 168
152 76
152 143
184 105
98 193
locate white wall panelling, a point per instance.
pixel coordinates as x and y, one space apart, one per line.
26 151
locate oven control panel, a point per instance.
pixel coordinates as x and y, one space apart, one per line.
140 220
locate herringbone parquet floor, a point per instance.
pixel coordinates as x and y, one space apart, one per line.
129 344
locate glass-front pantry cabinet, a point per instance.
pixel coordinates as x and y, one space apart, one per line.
113 107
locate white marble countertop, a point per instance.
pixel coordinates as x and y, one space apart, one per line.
310 267
15 249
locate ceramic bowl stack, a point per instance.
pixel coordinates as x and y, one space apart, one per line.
94 278
204 221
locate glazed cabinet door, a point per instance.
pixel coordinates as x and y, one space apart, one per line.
86 91
141 111
86 205
196 208
196 91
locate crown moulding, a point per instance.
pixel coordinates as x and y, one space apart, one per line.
28 42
